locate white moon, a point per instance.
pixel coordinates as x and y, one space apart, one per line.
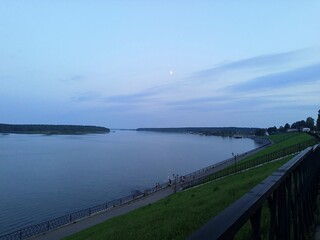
171 72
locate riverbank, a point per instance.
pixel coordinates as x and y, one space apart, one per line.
237 132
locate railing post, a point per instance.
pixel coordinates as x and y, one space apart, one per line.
300 204
272 202
288 209
282 211
235 163
255 223
294 206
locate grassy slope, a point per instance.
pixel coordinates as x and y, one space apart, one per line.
179 215
281 141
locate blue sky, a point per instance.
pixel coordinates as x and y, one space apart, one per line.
128 64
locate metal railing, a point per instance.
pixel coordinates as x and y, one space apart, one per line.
290 195
52 224
225 162
244 165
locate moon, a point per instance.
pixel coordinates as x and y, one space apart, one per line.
171 72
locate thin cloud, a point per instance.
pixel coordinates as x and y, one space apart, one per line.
223 106
202 100
262 61
141 96
77 78
288 78
138 97
74 78
86 96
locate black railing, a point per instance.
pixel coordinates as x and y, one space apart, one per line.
290 195
52 224
226 162
247 164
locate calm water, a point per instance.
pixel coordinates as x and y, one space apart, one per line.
42 177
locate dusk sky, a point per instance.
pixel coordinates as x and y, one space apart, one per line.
129 64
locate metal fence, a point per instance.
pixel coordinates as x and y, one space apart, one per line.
241 166
265 142
49 225
290 195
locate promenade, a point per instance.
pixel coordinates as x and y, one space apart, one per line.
99 218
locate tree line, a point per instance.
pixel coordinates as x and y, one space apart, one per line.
50 129
309 123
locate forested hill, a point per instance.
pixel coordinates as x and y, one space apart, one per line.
51 129
218 131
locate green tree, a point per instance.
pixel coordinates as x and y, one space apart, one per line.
260 132
281 129
272 130
287 126
299 124
310 123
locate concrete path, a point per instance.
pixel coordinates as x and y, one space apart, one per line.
99 218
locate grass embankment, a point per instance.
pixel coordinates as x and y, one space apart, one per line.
282 141
285 145
177 216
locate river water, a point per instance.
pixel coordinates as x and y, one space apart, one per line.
43 177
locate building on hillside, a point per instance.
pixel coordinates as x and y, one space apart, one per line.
305 129
292 130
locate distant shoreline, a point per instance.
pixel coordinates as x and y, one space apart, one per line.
48 129
207 131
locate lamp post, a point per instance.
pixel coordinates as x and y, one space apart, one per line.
175 176
235 162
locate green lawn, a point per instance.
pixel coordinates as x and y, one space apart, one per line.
178 215
281 141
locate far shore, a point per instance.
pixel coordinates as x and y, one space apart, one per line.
51 129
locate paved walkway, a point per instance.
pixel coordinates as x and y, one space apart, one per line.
99 218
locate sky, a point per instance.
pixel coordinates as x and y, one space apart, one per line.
130 64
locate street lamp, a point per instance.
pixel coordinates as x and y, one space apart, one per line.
235 162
